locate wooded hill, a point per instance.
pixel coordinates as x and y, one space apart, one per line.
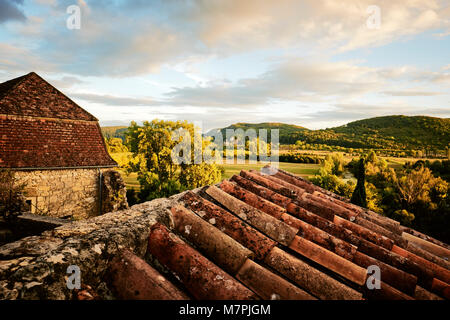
389 132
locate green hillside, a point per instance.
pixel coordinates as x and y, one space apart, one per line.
114 132
287 131
390 132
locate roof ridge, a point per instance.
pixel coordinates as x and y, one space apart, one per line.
76 104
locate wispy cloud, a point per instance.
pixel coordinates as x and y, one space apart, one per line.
317 59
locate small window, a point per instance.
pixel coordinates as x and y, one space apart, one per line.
31 203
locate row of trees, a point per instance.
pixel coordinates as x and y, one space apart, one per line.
299 158
427 152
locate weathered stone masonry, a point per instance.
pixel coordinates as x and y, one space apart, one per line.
36 267
59 193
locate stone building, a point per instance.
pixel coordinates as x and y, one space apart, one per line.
55 148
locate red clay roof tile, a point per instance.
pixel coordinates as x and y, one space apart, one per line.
201 277
230 225
325 256
133 278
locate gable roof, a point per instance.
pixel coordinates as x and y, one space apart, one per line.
265 236
30 95
40 127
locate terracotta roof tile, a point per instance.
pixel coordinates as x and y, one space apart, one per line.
251 238
275 229
133 278
224 250
201 277
268 285
265 238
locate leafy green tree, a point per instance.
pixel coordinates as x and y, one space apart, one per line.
115 145
159 176
417 185
333 184
12 200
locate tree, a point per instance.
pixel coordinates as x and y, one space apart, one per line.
12 201
115 145
416 186
159 176
359 196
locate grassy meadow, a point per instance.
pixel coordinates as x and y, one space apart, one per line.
301 169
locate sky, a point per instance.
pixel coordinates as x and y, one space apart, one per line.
314 63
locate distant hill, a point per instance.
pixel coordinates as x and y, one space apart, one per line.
114 132
389 132
286 130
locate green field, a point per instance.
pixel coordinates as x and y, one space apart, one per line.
301 169
130 180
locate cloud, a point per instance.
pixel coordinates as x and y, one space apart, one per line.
127 38
9 10
320 24
344 113
115 39
111 100
410 93
291 80
65 82
20 60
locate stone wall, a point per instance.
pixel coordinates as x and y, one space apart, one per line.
60 193
36 267
114 193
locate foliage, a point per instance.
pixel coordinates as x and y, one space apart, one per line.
114 132
333 183
132 197
413 195
437 167
152 145
299 158
118 151
12 201
288 132
334 164
115 145
331 168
